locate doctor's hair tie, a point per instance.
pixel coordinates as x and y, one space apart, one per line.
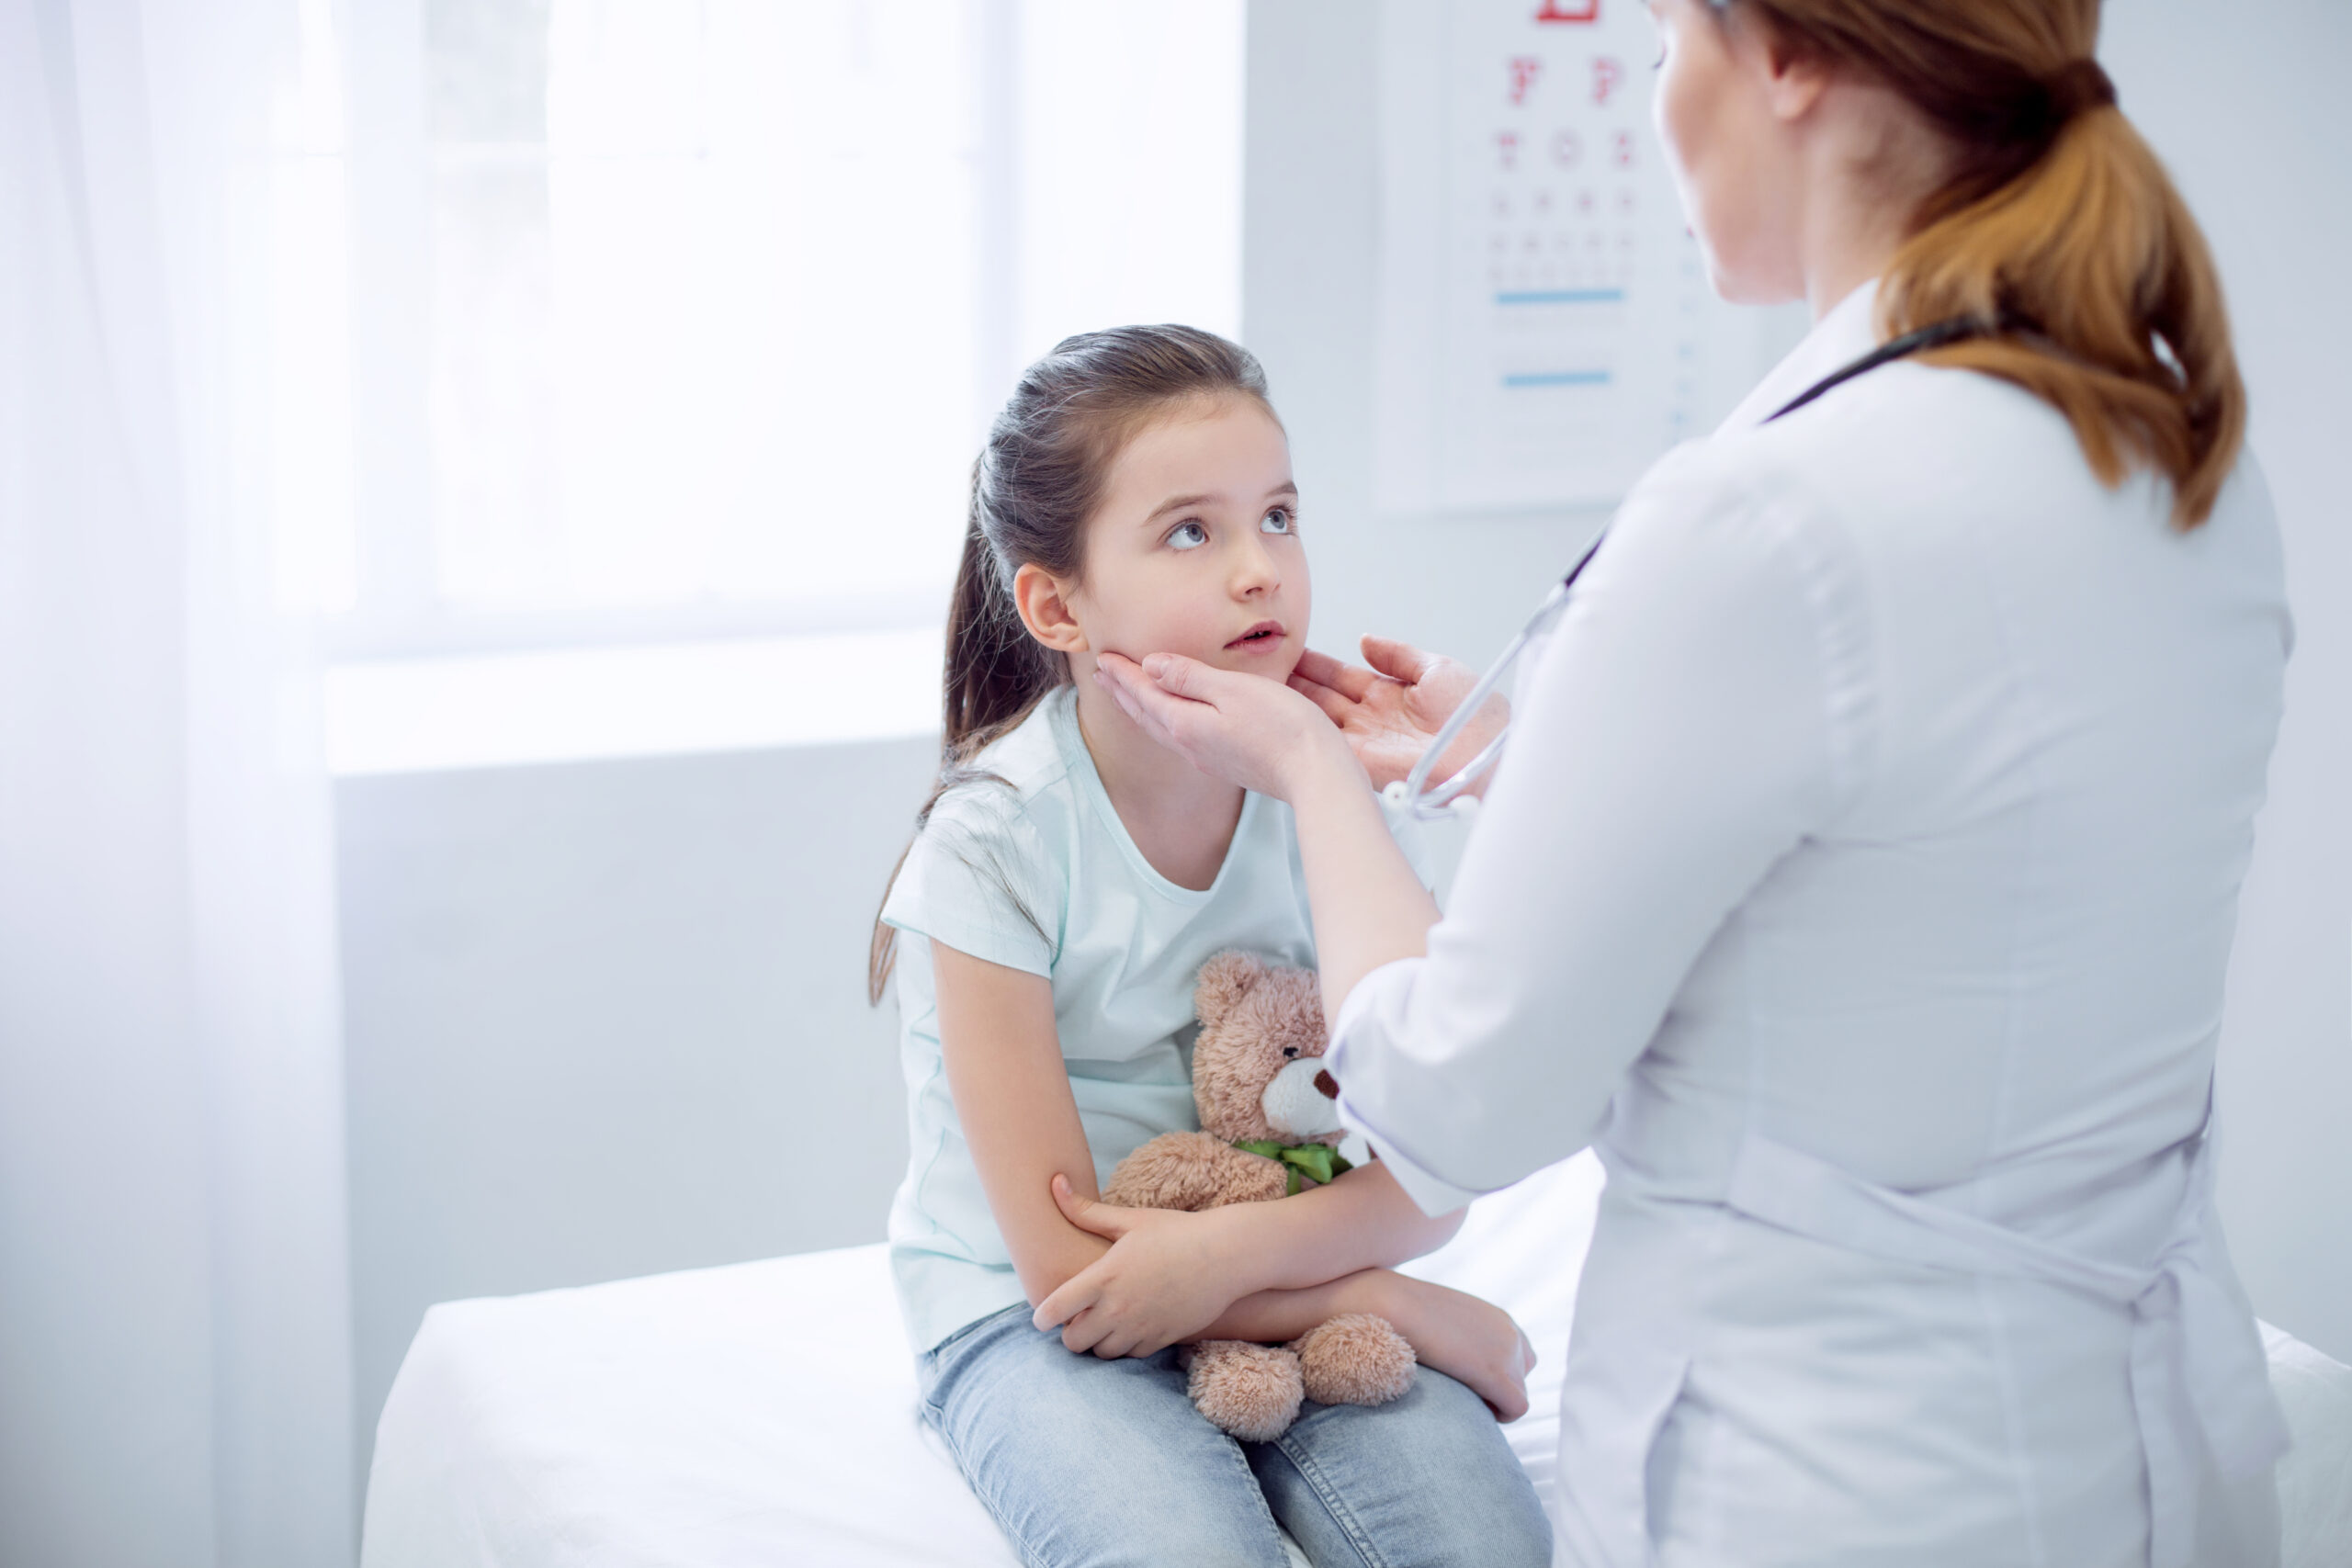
2079 87
2029 111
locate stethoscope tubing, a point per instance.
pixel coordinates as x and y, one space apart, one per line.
1412 793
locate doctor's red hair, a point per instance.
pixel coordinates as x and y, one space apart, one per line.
2057 228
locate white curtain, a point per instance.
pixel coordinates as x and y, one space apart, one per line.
175 1365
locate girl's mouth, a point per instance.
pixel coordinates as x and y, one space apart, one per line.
1264 635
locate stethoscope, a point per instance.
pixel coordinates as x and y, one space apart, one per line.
1412 793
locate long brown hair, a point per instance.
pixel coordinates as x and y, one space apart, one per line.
2058 232
1036 482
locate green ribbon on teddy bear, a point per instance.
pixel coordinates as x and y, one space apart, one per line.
1317 1162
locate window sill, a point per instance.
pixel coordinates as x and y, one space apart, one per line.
581 705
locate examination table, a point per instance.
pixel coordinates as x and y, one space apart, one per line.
765 1413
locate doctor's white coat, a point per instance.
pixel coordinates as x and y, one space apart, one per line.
1861 880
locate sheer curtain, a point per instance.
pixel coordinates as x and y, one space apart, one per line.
174 1369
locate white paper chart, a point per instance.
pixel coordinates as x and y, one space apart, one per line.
1547 330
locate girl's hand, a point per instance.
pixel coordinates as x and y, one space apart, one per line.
1159 1283
1468 1339
1390 712
1243 728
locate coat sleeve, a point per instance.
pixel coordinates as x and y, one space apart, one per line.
1702 707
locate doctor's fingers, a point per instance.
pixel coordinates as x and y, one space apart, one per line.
1399 660
1150 707
1183 677
1351 681
1171 717
1335 707
1119 676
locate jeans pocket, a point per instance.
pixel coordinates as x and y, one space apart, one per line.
933 1366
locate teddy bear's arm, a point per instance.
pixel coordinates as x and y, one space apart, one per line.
1193 1170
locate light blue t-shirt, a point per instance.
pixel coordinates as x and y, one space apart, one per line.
1037 872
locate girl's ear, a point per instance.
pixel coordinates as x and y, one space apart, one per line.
1044 603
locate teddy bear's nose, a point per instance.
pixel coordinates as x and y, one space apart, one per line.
1327 1085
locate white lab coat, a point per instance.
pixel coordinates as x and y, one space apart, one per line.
1860 881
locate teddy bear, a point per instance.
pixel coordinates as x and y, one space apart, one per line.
1269 1127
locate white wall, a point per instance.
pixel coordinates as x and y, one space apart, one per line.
2248 107
609 1019
1310 213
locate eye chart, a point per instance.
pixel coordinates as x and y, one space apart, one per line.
1547 330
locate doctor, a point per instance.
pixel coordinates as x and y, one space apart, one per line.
1862 871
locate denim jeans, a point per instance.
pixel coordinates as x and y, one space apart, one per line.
1089 1463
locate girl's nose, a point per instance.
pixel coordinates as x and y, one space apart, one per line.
1254 572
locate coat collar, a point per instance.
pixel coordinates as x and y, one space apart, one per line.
1848 331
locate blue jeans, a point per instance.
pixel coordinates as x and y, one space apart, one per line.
1090 1464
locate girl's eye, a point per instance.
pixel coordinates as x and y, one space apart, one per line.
1188 536
1276 521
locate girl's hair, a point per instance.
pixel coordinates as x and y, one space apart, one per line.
2059 232
1035 486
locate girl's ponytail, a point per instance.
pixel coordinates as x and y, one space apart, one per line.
2059 232
996 671
1034 487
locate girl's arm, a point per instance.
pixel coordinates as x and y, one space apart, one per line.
1169 1275
1004 1068
1468 1339
1012 1091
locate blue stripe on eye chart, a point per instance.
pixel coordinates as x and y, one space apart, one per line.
1560 297
1559 378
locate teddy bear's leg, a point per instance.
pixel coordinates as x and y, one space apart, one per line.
1251 1390
1354 1359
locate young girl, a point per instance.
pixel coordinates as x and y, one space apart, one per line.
1069 880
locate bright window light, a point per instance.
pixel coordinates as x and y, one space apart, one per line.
701 300
1130 167
714 299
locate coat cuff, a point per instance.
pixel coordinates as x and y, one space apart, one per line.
1430 1192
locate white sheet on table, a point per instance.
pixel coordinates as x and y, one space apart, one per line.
2315 1478
760 1413
765 1413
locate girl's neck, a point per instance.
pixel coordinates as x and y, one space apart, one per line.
1180 818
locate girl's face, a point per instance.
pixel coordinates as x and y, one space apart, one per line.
1194 549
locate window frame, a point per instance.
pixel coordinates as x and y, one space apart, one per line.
396 610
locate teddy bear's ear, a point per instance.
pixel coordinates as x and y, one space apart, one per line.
1225 980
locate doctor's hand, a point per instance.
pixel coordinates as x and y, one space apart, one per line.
1244 729
1390 712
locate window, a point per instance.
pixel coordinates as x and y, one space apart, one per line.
679 319
701 301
